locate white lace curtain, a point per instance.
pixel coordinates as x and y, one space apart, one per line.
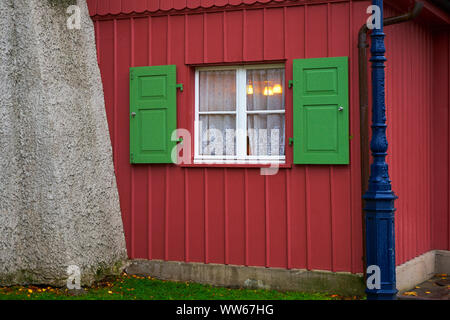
265 116
265 112
217 112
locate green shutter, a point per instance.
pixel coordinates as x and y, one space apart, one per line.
321 111
153 113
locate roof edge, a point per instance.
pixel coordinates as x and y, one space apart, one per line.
431 14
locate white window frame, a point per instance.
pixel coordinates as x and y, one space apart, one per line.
241 113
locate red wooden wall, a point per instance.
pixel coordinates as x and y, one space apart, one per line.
409 107
306 217
440 222
417 101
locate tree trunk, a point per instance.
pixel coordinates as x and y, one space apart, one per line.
59 204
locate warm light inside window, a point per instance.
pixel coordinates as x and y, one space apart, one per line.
277 89
268 91
249 89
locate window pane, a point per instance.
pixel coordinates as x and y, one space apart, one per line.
217 135
265 89
217 90
265 135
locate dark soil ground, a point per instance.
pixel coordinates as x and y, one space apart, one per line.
437 288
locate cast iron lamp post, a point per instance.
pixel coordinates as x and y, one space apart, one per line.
379 198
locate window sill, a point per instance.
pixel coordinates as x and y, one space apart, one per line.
216 164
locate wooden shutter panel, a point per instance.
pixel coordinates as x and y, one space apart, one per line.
153 113
321 111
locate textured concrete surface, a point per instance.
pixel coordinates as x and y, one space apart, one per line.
422 269
443 261
251 277
415 271
59 204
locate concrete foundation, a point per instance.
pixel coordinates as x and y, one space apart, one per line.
251 277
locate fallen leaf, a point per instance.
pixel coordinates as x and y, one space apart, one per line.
410 293
428 292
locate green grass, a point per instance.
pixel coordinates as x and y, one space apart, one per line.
127 287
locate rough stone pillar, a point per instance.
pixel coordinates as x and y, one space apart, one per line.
59 204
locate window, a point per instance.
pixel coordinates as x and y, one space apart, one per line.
240 114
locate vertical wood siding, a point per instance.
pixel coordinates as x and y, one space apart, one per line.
417 114
440 141
306 217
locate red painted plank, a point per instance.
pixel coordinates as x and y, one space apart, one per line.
221 3
236 216
153 5
235 2
215 216
103 7
115 6
295 32
317 32
193 4
158 212
440 141
214 37
341 224
319 218
357 19
140 5
166 5
123 62
196 219
254 35
207 3
233 35
140 216
298 221
276 213
255 209
159 40
127 6
176 55
194 40
175 219
274 34
179 4
141 45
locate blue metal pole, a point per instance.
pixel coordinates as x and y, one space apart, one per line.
379 199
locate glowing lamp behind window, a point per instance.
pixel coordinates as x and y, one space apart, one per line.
250 89
268 91
277 89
